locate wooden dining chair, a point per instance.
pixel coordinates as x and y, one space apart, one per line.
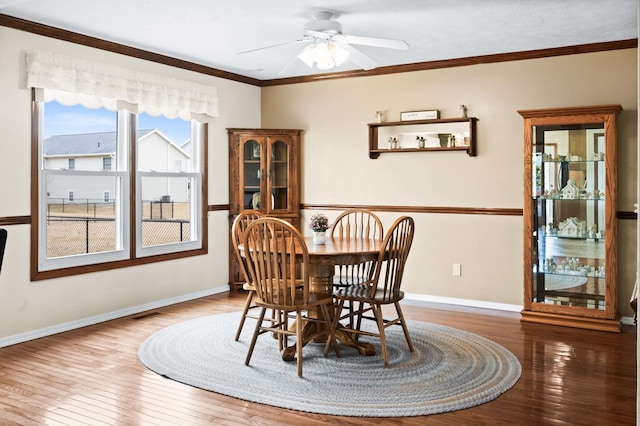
277 258
351 224
384 288
238 227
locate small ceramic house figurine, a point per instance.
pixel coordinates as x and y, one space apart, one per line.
571 190
572 227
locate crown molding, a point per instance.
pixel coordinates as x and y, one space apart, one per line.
73 37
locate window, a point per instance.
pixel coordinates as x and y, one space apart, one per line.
167 215
82 231
92 226
131 204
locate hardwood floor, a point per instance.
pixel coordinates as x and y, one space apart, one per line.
93 376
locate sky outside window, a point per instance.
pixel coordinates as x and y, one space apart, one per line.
67 120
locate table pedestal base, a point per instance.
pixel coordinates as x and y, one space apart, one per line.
321 281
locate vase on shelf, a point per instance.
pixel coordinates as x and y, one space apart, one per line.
319 237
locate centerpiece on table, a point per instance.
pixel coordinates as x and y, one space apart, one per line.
319 224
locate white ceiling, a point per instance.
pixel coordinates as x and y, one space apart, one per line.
212 32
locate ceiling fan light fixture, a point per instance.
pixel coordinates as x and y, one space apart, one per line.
324 55
306 55
338 54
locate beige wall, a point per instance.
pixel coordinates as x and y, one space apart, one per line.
45 306
337 170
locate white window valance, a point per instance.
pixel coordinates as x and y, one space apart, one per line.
72 81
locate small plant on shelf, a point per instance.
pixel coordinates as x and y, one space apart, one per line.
319 223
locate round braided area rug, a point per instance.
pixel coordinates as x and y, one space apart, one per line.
562 282
449 370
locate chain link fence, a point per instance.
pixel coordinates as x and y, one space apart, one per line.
89 226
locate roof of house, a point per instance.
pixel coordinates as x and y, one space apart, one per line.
101 143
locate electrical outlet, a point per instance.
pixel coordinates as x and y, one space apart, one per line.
457 270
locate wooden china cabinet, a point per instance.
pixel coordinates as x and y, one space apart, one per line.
264 175
570 256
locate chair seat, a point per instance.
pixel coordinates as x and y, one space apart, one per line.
281 301
362 293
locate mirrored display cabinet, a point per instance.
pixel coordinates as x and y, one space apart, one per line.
263 175
570 262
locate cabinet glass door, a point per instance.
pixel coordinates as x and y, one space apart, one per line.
250 173
569 182
279 174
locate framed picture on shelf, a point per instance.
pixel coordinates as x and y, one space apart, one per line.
419 115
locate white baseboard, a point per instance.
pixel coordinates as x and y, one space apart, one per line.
479 304
48 331
463 302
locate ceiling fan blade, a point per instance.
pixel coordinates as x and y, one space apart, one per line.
359 58
373 41
302 40
288 66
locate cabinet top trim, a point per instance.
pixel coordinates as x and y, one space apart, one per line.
548 112
265 131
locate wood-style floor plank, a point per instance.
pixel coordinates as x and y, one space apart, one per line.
93 376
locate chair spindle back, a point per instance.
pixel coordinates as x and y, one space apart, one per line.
238 227
275 252
393 257
356 223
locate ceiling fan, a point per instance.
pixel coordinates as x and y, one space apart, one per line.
328 47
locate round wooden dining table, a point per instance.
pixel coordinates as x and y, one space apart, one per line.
337 251
323 259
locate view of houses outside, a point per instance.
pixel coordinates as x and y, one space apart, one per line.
82 207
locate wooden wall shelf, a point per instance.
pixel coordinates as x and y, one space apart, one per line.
449 134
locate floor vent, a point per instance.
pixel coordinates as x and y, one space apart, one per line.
147 315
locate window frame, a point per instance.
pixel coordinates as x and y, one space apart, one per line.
129 254
197 130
